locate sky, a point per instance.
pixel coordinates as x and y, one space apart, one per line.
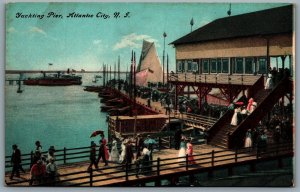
88 43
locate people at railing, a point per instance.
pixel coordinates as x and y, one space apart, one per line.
139 145
123 152
182 150
51 153
93 160
129 154
149 142
189 152
38 146
38 173
36 157
101 153
103 140
16 162
51 170
114 153
177 138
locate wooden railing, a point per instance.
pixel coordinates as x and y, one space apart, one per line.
126 175
194 120
237 79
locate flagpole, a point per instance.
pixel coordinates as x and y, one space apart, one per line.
130 89
167 71
134 92
119 83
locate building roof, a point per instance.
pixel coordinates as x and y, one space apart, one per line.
266 22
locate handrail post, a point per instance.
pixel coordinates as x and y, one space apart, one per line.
126 172
212 157
187 162
65 151
91 177
158 166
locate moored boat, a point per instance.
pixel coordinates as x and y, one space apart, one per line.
55 80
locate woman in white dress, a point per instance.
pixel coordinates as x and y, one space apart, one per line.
234 120
182 150
248 140
114 153
123 153
269 83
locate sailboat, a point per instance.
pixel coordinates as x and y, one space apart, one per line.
149 68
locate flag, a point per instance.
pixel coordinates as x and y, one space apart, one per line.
141 77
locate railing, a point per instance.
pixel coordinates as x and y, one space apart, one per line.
200 121
261 110
238 79
128 174
79 154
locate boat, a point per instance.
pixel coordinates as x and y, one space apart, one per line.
57 79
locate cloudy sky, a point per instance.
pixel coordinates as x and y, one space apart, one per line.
87 43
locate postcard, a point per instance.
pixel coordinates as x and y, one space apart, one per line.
149 94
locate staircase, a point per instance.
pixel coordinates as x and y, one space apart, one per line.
225 135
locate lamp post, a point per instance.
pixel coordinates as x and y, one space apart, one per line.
164 35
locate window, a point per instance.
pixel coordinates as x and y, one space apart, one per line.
213 65
225 65
205 66
180 66
249 65
189 65
195 66
239 65
219 66
262 65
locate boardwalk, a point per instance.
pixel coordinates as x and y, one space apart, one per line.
117 175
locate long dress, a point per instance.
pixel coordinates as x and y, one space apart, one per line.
250 102
190 153
105 149
114 154
123 153
269 83
248 141
182 151
234 120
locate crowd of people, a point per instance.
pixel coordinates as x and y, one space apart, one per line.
43 168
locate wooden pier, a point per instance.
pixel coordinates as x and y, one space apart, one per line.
165 165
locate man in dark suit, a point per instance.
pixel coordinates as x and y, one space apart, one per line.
102 153
16 161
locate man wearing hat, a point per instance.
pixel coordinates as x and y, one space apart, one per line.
16 161
51 152
93 157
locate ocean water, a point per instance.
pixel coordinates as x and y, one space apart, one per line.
63 116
